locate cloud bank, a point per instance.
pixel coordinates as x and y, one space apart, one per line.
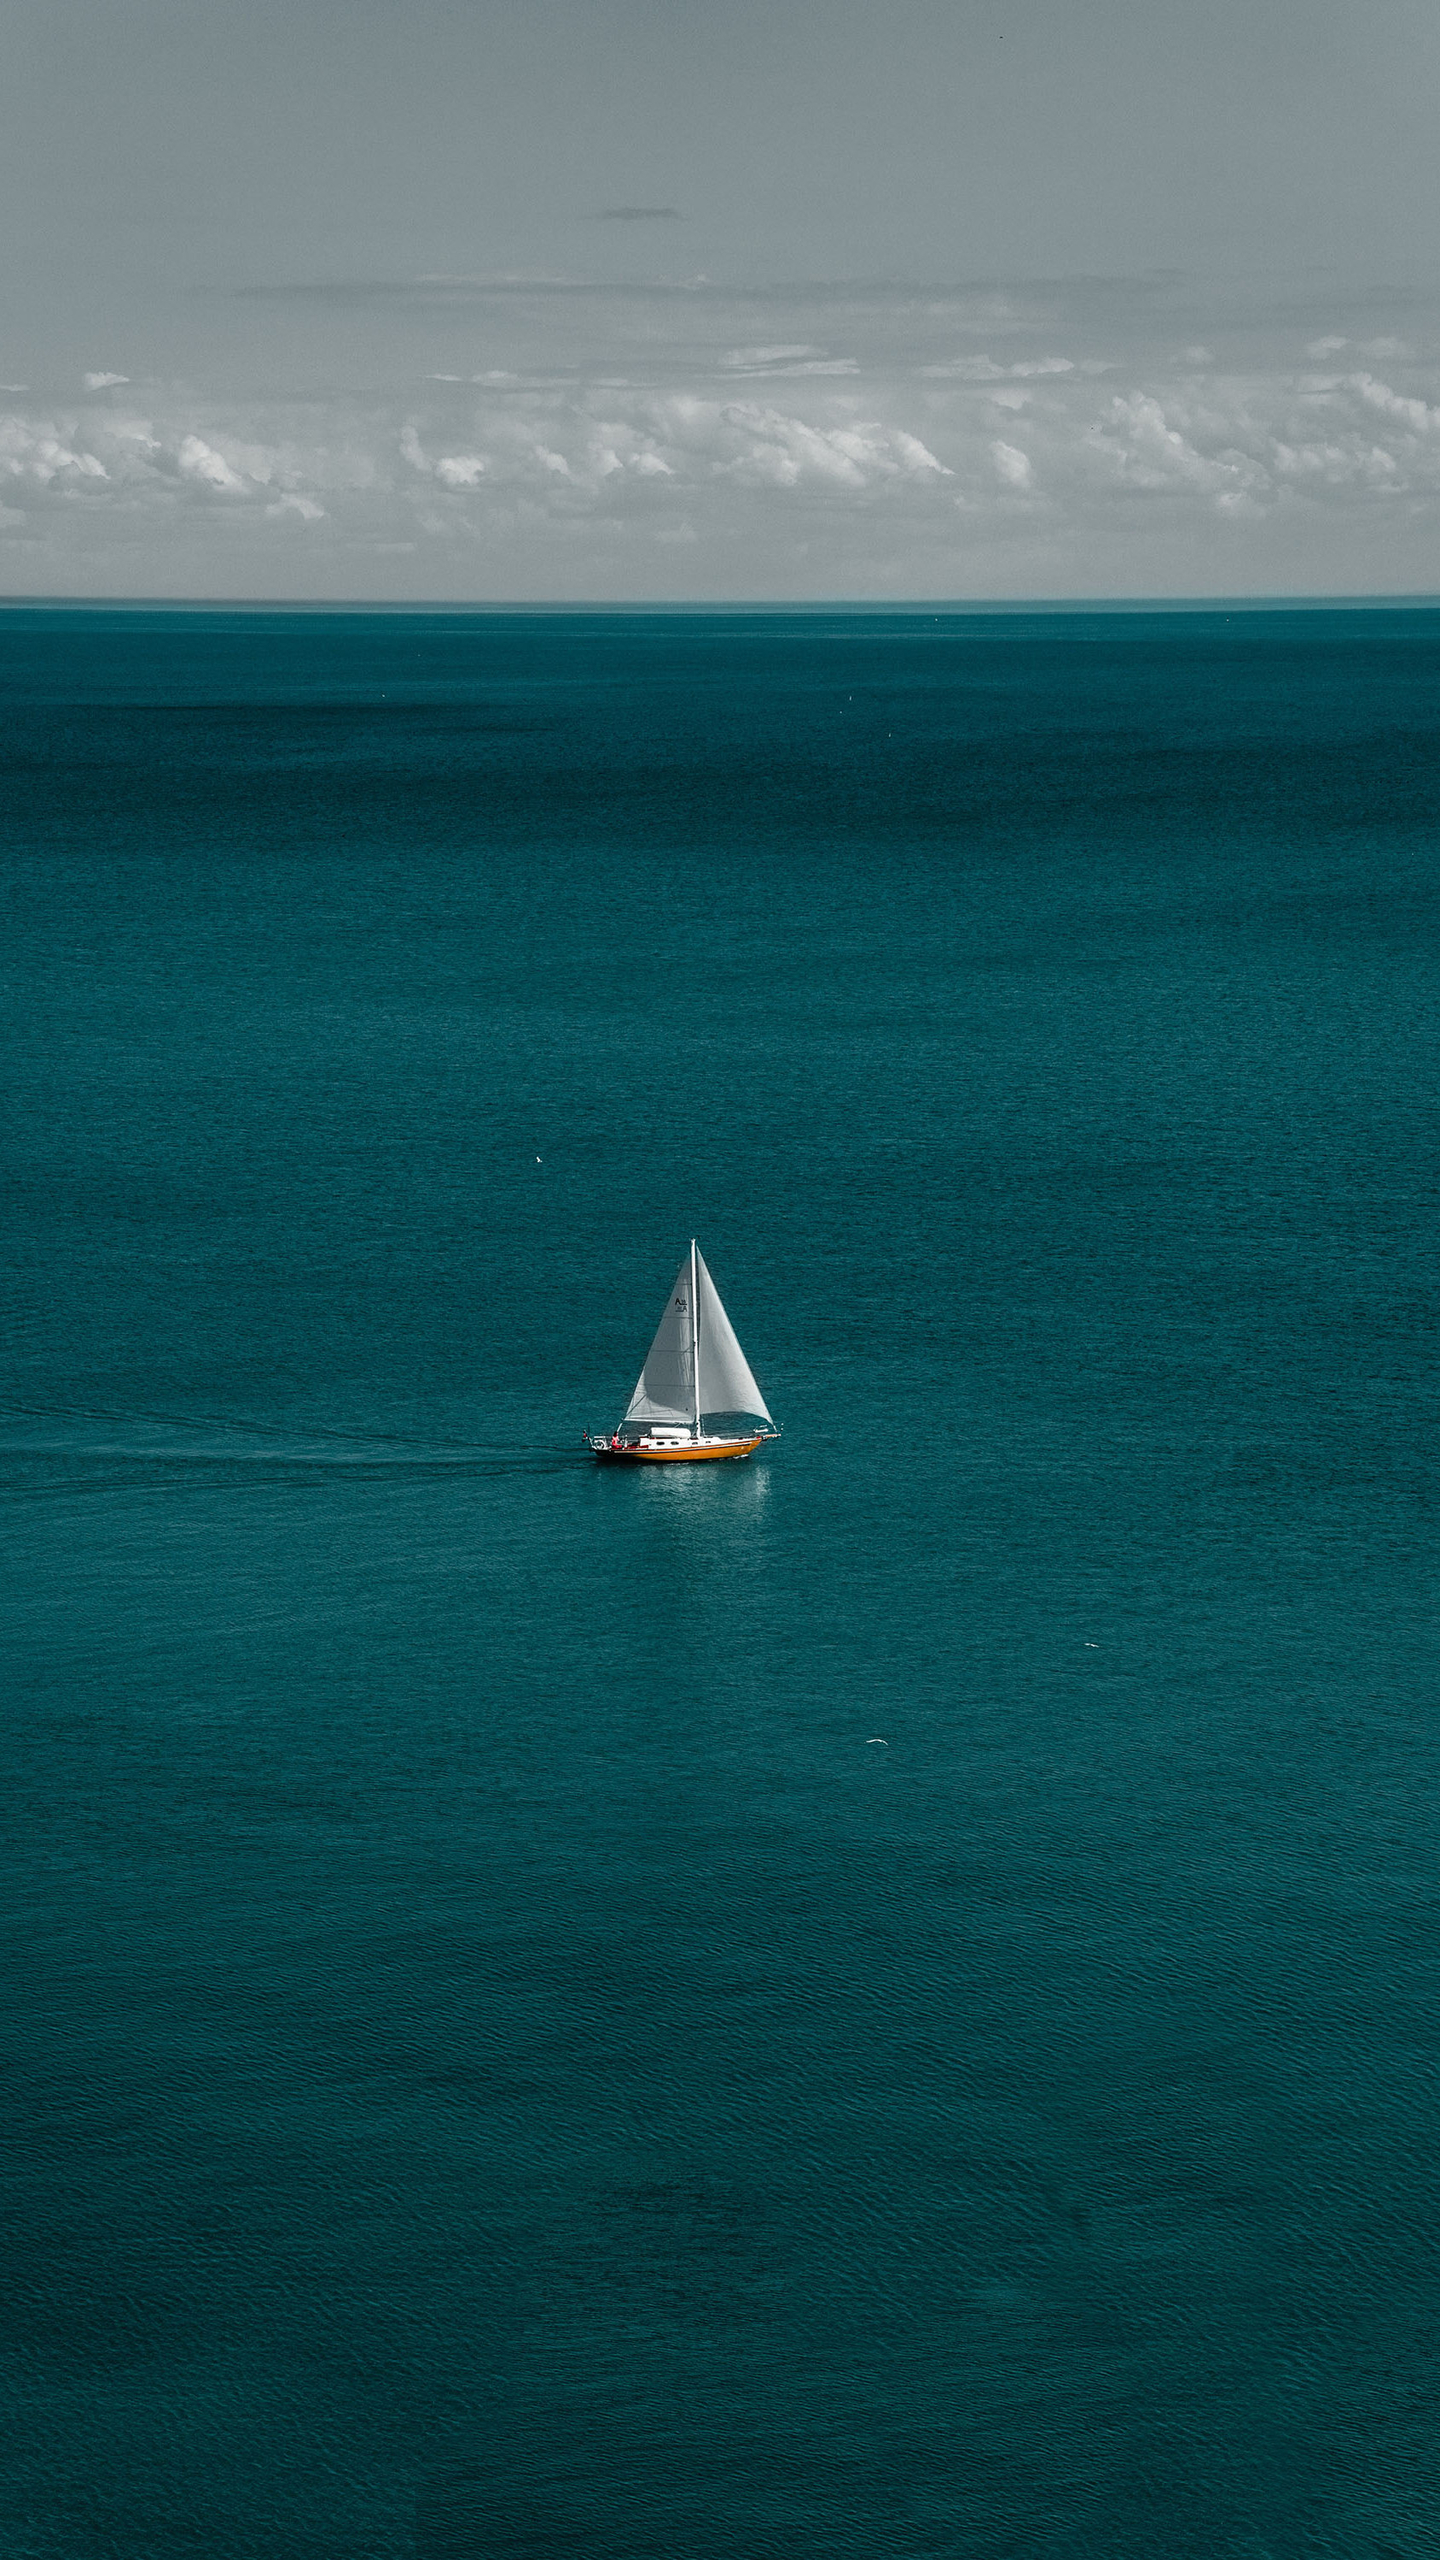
898 447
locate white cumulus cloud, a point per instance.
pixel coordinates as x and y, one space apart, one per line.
1393 404
461 470
728 443
1152 452
199 461
45 452
772 446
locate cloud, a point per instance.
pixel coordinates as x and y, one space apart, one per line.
104 381
1012 465
42 454
685 438
985 369
461 470
746 359
200 462
578 444
786 360
1393 404
1152 452
142 468
777 449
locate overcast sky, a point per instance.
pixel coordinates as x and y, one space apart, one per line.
612 299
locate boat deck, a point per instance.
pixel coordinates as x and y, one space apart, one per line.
642 1453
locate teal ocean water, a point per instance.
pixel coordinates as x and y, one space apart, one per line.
881 2002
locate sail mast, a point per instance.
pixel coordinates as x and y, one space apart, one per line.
695 1331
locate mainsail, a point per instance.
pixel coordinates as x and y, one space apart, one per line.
694 1320
666 1392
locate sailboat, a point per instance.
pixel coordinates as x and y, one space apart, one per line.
694 1368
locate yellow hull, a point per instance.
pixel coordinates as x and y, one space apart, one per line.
685 1453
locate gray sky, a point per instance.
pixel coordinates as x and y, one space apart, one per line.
618 299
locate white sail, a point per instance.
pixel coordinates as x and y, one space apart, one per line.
727 1384
666 1391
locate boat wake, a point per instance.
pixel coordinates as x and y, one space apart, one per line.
244 1442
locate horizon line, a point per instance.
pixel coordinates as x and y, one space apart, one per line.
1410 600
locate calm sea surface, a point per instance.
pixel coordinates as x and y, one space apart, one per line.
878 2005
